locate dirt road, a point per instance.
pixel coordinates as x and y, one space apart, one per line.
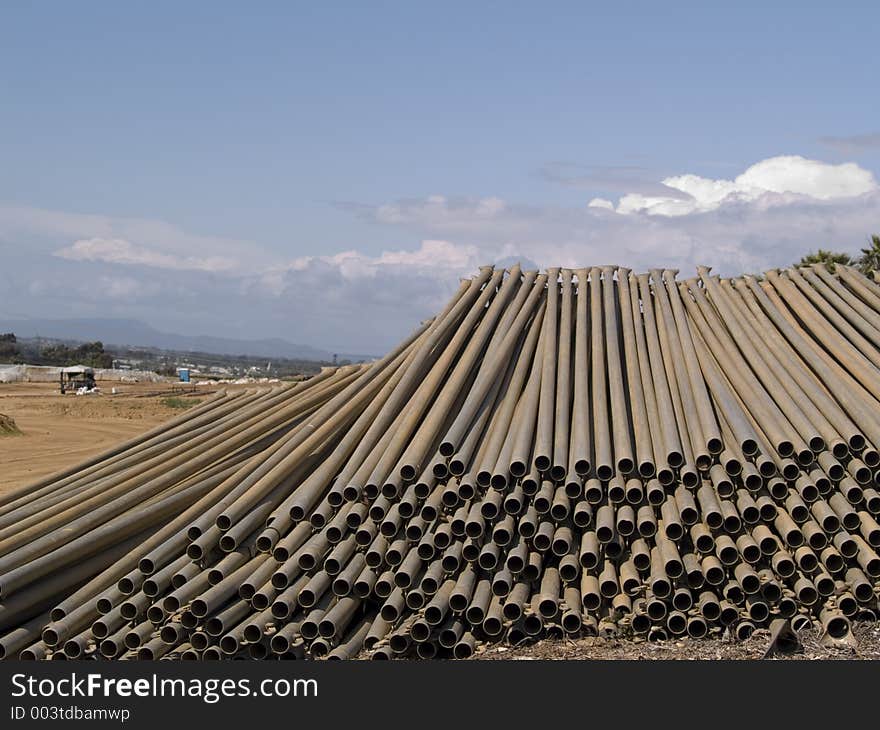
58 431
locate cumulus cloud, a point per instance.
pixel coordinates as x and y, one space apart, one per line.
440 209
349 301
119 251
740 233
778 180
431 255
371 299
141 241
355 301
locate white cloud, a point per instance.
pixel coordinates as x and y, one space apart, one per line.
89 237
354 301
815 179
119 251
355 289
360 302
440 209
741 234
787 176
432 255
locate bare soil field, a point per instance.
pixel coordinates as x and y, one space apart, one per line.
57 431
863 644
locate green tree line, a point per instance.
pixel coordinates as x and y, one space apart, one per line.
867 261
8 347
91 354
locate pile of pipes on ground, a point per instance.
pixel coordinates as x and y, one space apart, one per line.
584 451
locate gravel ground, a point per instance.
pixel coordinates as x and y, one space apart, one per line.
863 644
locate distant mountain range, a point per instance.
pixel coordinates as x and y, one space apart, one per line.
134 333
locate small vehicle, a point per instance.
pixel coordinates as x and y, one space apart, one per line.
75 377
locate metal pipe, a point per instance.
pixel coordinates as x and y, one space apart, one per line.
561 435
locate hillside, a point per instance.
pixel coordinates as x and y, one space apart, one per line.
132 332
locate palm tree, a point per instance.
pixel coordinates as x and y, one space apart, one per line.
828 258
869 261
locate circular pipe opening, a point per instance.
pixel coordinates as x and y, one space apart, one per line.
531 625
759 611
656 610
808 595
492 626
398 643
420 631
542 462
714 575
389 491
733 467
837 627
326 628
498 482
108 648
213 627
749 447
697 628
456 467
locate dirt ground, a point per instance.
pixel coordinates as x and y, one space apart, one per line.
58 431
863 644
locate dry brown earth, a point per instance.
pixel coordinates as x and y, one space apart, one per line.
57 431
864 644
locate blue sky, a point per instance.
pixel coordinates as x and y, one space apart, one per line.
277 170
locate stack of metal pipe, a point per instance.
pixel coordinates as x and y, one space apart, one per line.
573 452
